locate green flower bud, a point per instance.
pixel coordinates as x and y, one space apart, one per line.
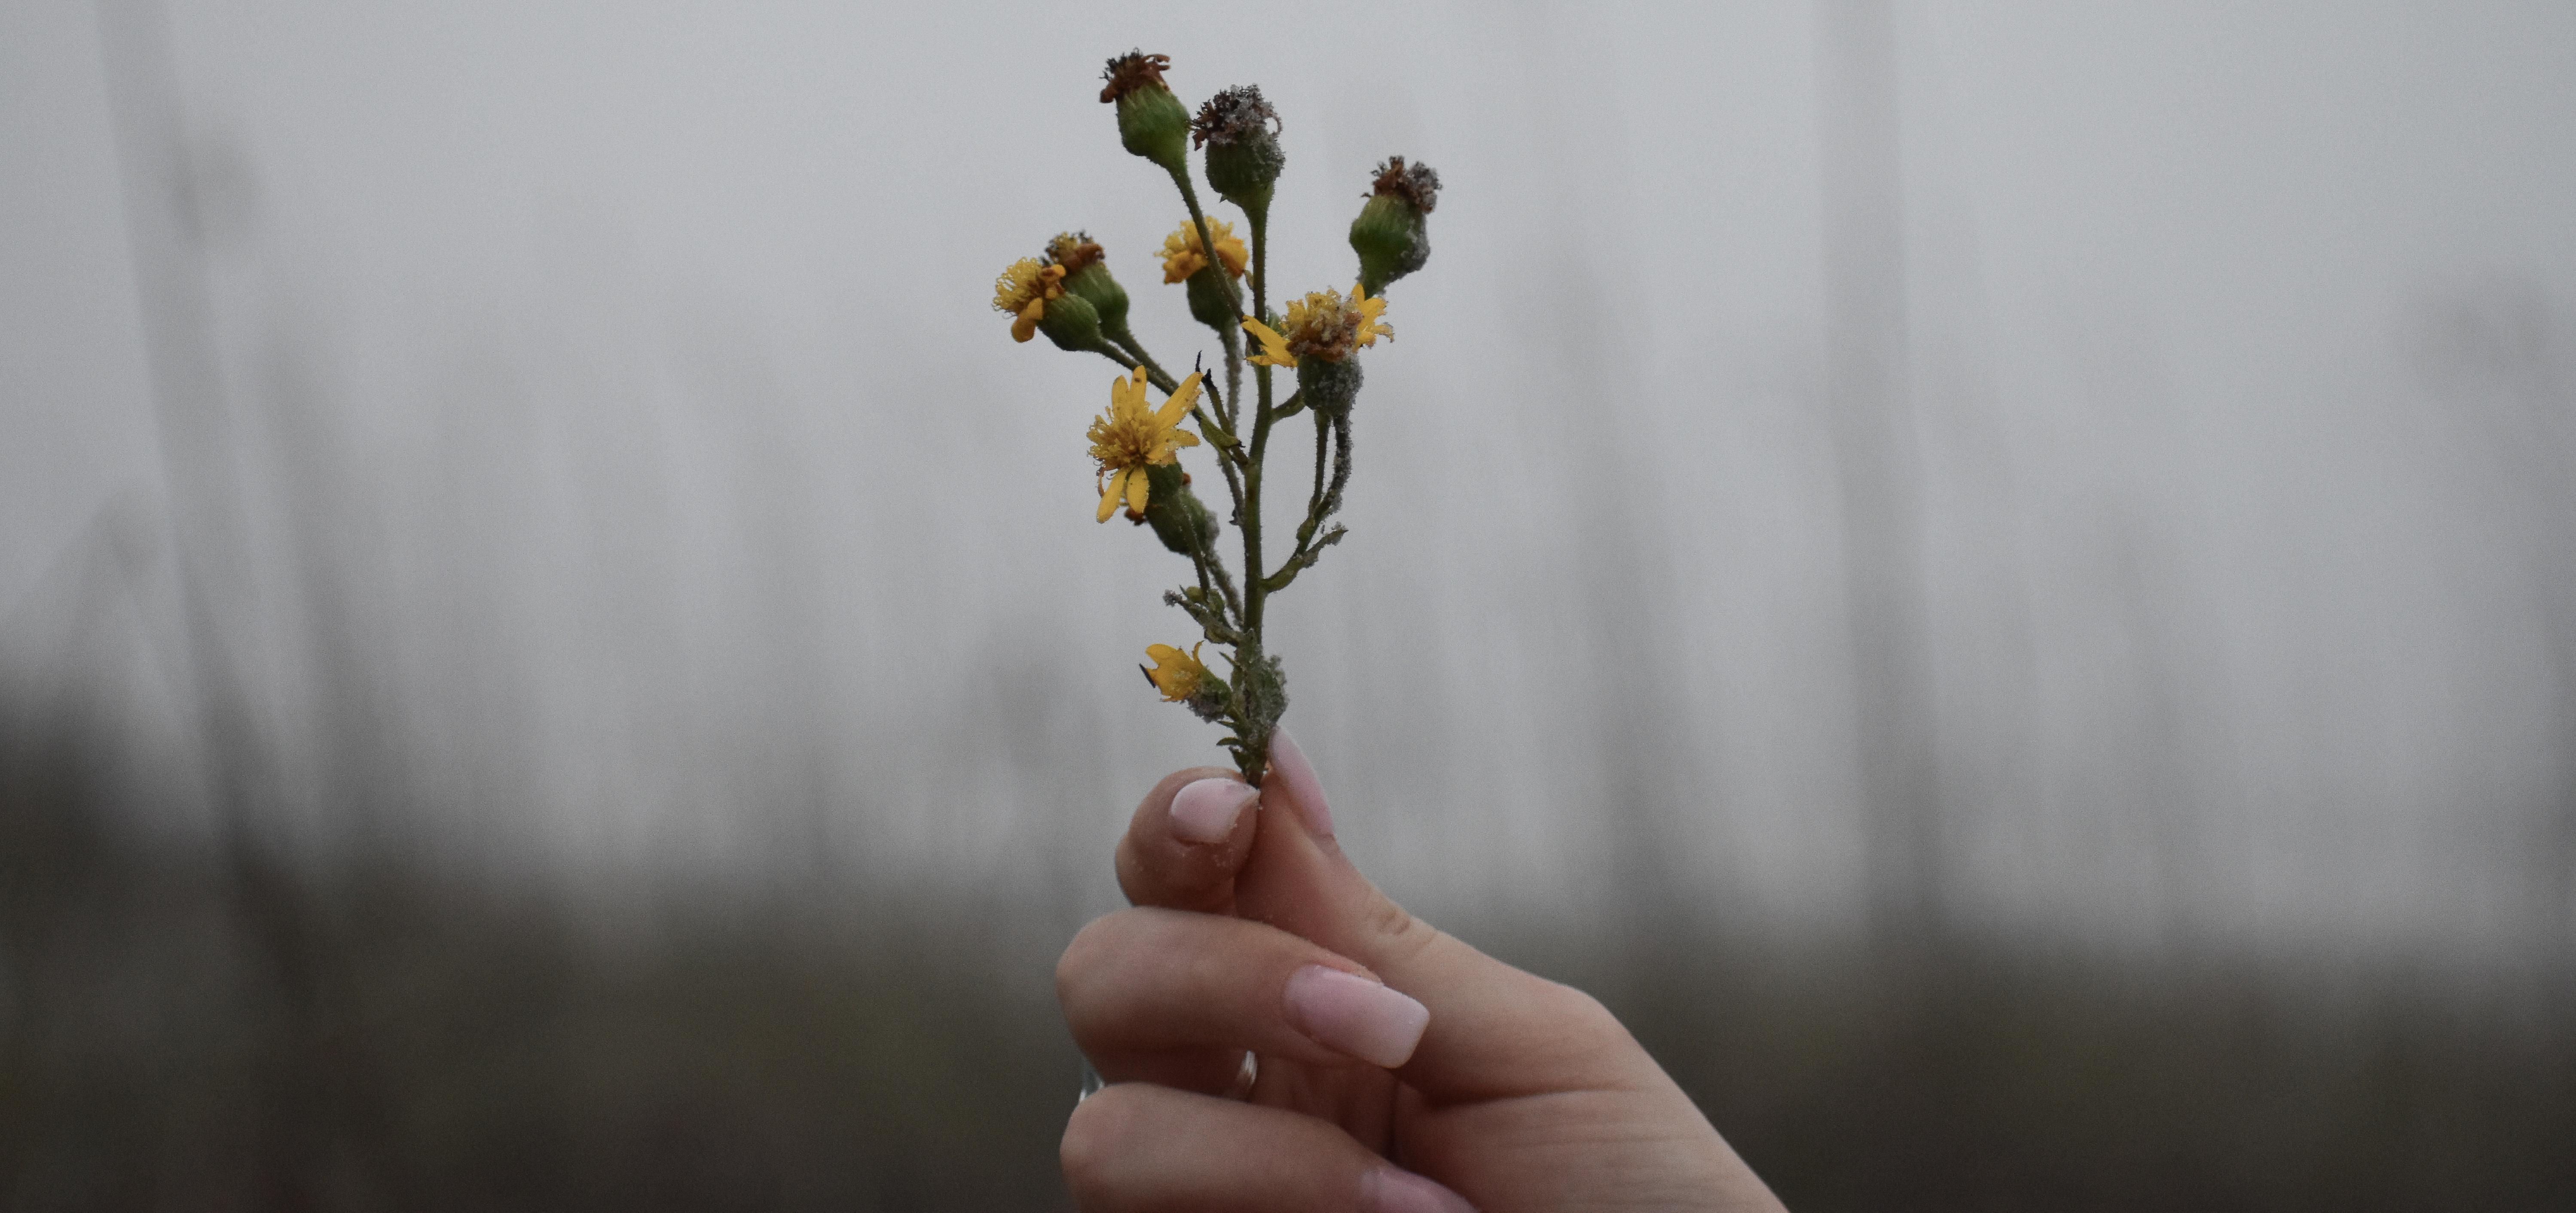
1086 273
1072 323
1174 511
1212 299
1238 130
1106 297
1391 234
1328 386
1151 121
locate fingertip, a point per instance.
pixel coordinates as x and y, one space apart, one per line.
1182 852
1208 810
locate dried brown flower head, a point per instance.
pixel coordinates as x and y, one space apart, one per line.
1075 251
1418 185
1132 71
1232 116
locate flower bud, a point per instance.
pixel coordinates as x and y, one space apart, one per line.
1328 386
1390 234
1151 121
1072 323
1238 129
1086 273
1174 511
1212 300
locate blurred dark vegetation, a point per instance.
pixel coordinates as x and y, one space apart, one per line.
185 1025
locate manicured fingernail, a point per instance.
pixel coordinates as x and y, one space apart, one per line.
1298 776
1387 1190
1205 811
1355 1015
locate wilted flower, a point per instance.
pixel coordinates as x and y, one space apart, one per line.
1151 121
1392 235
1176 674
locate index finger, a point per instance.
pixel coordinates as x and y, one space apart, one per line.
1188 838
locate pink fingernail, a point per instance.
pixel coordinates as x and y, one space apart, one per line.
1298 776
1355 1015
1387 1190
1205 811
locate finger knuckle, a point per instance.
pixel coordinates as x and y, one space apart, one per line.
1587 1035
1400 935
1581 1013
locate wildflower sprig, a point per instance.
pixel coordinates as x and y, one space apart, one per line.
1136 443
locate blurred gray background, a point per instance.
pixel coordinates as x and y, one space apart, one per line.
2005 561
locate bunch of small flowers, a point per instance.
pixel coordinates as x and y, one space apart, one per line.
1069 295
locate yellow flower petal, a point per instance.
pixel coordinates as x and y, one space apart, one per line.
1109 498
1274 348
1137 488
1178 406
1176 674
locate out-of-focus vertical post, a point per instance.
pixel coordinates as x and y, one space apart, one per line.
1879 465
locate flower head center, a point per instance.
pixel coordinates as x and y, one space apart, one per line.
1327 326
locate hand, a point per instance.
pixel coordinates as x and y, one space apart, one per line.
1379 1041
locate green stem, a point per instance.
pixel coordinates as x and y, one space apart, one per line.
1315 501
1254 595
1233 378
1260 221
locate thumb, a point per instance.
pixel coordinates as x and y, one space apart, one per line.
1496 1032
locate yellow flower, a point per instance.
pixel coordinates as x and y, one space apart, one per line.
1329 327
1369 310
1177 674
1184 256
1131 437
1274 348
1023 291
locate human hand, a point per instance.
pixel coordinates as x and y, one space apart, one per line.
1379 1040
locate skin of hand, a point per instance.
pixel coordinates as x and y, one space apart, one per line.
1380 1041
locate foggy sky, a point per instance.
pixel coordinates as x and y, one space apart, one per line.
626 470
